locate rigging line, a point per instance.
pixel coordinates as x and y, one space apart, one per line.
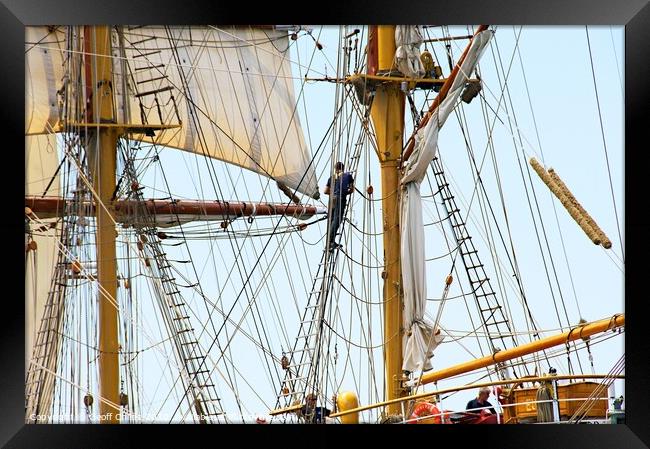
95 348
178 65
539 142
231 310
265 50
490 240
613 261
453 268
196 107
187 88
113 302
356 297
507 91
602 131
361 264
350 342
198 345
618 65
36 44
490 133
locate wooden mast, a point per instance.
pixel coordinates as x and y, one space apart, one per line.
102 164
387 114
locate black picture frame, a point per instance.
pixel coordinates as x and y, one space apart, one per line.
633 14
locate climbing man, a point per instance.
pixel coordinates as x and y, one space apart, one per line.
343 186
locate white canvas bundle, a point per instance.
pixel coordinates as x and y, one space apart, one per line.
407 55
419 338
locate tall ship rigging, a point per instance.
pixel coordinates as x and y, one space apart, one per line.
176 227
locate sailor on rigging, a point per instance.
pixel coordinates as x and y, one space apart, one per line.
343 186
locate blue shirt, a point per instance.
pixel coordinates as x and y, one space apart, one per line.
319 414
342 183
474 403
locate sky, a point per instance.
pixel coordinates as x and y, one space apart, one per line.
558 121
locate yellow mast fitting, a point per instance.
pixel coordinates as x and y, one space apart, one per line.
582 221
604 240
345 401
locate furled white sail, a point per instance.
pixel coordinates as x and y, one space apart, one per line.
407 54
230 89
420 340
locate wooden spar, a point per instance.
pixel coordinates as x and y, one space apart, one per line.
604 240
560 193
576 333
441 96
387 114
48 207
103 165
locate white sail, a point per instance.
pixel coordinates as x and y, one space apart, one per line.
231 92
43 78
407 54
419 340
41 162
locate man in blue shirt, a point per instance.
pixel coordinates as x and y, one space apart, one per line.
313 414
481 401
343 186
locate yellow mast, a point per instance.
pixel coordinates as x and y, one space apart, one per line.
387 114
103 167
583 331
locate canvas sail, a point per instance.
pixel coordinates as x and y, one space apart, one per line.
230 90
420 338
41 162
